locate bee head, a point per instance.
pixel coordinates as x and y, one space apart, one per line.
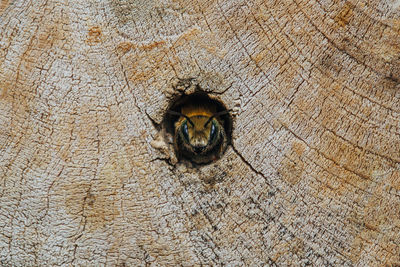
199 133
199 136
201 127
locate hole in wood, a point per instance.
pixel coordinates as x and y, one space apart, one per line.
201 127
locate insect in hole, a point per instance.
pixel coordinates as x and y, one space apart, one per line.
199 133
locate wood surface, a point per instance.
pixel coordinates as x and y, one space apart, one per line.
88 176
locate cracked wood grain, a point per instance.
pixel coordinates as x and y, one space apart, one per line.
87 172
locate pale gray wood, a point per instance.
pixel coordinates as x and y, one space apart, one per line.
87 177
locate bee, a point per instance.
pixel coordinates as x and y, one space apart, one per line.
199 132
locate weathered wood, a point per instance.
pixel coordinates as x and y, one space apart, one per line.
88 178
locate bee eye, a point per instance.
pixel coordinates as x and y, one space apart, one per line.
185 131
213 131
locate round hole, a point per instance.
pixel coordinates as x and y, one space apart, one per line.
201 127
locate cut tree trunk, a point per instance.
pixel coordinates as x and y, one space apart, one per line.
88 174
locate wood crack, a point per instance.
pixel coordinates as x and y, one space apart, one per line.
248 164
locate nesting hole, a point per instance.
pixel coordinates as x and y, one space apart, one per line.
198 98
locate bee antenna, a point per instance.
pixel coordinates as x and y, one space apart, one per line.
180 114
216 115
